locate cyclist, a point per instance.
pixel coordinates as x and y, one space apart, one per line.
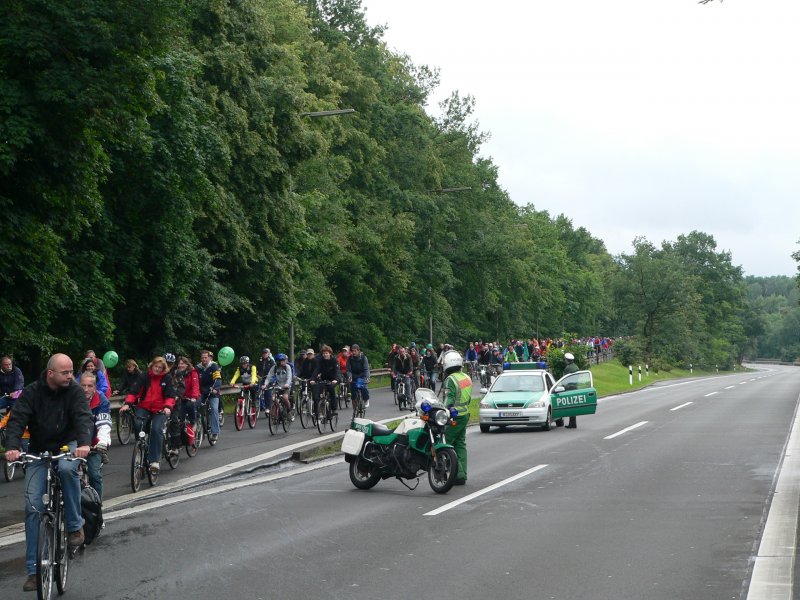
403 367
247 374
187 392
326 369
55 409
416 363
429 364
11 381
91 365
154 400
265 363
390 362
131 377
358 368
210 385
101 435
342 357
471 357
281 375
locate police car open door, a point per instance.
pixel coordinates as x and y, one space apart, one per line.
574 395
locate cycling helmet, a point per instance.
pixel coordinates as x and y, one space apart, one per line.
169 357
281 356
244 360
452 360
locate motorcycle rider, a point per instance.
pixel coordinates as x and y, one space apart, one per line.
457 393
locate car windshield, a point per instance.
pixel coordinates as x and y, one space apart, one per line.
519 383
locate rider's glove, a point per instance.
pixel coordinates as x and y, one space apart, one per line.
102 450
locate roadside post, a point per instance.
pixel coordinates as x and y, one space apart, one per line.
690 368
647 370
640 373
630 374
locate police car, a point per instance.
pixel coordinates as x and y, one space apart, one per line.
526 394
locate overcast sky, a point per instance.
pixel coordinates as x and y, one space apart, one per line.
632 118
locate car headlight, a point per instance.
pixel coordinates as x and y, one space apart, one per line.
538 404
442 418
485 405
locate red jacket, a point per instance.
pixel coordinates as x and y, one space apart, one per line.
192 382
154 393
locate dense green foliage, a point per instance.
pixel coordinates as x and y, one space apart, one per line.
774 318
162 190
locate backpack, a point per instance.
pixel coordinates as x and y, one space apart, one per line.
92 512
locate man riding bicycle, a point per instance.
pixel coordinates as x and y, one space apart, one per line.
326 369
403 367
55 409
280 376
358 368
210 385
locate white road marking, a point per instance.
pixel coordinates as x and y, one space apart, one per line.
711 394
626 430
730 387
773 570
682 405
485 490
742 382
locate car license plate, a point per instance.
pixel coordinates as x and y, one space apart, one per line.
514 413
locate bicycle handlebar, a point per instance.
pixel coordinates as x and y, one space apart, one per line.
26 457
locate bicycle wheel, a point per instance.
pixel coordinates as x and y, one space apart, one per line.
45 557
396 394
9 470
238 415
305 414
124 427
272 417
333 420
199 430
61 567
137 466
211 440
191 449
172 455
321 412
251 407
221 413
151 477
286 419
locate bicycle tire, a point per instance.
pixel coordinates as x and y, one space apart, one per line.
305 414
286 420
61 567
252 408
238 415
137 466
9 470
45 557
124 428
333 421
199 431
321 418
272 418
172 459
191 449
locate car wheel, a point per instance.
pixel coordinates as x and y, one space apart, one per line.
484 428
548 423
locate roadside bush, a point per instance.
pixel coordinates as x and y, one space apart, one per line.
628 352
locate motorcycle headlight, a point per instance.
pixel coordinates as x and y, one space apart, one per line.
442 418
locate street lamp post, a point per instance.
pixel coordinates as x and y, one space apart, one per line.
312 115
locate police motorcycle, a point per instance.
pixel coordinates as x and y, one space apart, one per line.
415 446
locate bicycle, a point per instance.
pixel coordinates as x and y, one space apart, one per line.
125 427
472 368
327 416
9 468
359 410
343 394
245 409
140 463
278 412
304 403
190 442
53 552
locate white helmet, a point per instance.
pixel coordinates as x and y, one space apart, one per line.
568 356
452 360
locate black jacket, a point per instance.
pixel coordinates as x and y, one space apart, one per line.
53 417
327 370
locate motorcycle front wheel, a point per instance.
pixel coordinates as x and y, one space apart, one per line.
443 470
363 475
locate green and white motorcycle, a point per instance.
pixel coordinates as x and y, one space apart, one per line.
417 445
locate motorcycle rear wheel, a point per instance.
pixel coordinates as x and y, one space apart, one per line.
443 470
363 475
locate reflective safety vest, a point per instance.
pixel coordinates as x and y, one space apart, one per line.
458 392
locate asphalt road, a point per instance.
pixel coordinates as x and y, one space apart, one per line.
663 494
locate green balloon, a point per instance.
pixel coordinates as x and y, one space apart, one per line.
226 356
110 359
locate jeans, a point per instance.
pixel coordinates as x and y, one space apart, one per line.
7 402
316 391
364 392
213 402
35 487
430 378
94 468
157 421
187 411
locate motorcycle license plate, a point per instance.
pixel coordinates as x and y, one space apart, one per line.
513 413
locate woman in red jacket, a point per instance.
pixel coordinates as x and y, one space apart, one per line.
154 398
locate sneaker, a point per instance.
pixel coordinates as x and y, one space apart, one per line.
366 404
155 468
213 437
30 584
75 538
